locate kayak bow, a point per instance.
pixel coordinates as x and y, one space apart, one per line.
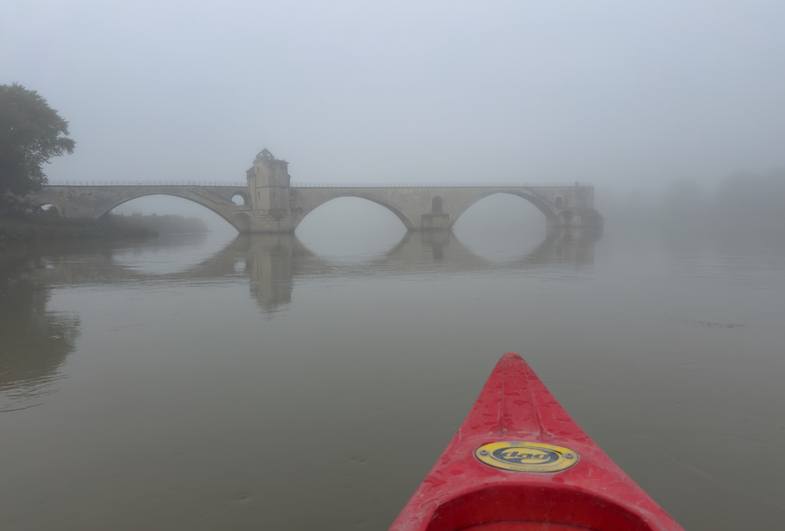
520 463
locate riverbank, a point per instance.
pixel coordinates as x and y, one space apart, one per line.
25 229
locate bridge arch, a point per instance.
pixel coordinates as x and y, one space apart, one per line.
544 206
238 220
408 223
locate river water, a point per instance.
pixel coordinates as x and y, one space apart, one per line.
276 383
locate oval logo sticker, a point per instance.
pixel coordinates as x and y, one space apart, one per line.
526 456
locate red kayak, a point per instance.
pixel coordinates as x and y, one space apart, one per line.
520 463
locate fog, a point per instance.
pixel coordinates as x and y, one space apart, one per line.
629 96
199 380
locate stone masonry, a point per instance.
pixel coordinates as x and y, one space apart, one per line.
270 204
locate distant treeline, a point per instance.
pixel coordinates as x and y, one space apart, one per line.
743 202
47 226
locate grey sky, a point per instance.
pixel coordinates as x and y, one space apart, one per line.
625 93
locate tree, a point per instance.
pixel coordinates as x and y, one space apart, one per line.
31 133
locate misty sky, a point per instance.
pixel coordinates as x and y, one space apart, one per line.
625 93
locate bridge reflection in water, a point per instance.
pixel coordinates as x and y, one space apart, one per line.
274 262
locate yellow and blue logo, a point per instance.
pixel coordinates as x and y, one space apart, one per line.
526 456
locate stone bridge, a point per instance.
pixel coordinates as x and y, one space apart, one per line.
269 203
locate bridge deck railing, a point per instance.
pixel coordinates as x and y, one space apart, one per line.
145 183
435 185
316 185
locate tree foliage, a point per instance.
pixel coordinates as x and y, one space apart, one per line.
31 133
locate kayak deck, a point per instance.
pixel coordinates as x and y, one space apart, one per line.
520 463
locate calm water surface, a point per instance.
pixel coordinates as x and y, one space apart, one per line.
280 383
